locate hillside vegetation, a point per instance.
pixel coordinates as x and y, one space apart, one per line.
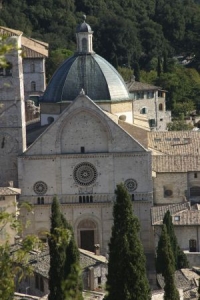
133 34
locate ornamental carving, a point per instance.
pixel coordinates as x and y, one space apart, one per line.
131 185
85 174
40 188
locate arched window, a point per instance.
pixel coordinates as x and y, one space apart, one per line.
33 86
32 67
195 191
50 120
193 245
160 106
143 110
84 45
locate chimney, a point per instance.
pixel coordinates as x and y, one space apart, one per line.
97 249
10 183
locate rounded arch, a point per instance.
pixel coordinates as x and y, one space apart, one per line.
195 191
143 110
84 44
160 107
87 232
72 120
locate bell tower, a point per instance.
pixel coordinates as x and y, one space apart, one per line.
12 113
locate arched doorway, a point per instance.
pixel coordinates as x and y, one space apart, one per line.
87 235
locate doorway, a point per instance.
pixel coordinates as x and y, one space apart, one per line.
87 240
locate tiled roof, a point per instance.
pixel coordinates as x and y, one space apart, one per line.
175 142
181 281
158 212
31 47
134 86
7 191
40 261
175 163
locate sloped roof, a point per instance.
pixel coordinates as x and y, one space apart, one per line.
40 260
136 86
158 212
181 281
31 47
175 163
175 142
7 191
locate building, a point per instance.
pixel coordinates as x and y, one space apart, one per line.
80 152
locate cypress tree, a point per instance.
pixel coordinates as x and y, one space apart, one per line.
170 291
179 256
126 278
57 252
64 272
72 273
136 71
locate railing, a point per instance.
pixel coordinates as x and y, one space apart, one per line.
83 198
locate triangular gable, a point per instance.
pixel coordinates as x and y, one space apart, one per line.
118 139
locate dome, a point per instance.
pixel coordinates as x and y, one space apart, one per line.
88 71
83 27
99 79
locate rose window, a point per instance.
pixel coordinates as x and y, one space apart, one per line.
40 187
85 174
131 185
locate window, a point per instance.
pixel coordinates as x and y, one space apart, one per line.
157 140
152 122
143 110
7 71
99 280
176 218
176 139
40 200
195 191
161 119
150 95
33 86
195 175
167 139
132 197
39 282
168 193
84 45
139 95
82 149
160 107
32 67
50 120
2 198
86 199
193 245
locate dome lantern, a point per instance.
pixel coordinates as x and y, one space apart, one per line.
84 35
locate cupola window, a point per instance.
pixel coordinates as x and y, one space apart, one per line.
84 45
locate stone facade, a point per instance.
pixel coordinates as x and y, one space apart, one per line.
12 117
84 140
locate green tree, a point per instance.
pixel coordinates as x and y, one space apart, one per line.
14 263
179 257
168 265
73 283
179 125
126 267
64 273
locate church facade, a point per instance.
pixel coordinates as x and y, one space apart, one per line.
83 152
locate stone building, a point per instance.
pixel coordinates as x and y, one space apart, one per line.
80 152
149 104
